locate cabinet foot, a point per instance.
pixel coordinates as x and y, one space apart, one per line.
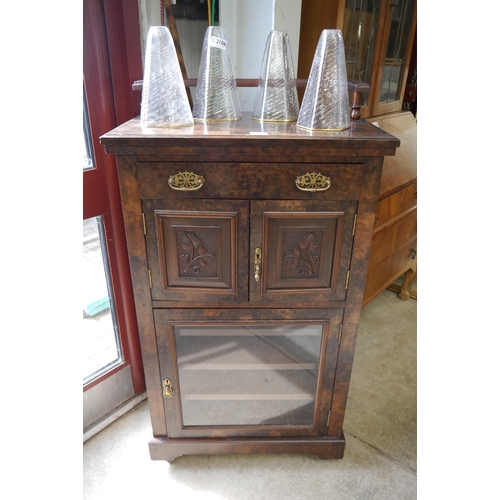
410 276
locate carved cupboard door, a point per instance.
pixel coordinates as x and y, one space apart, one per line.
300 250
197 250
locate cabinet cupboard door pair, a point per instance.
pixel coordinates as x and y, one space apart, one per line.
264 252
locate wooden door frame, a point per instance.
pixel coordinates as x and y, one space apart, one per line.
111 62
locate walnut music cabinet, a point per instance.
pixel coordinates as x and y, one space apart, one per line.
248 246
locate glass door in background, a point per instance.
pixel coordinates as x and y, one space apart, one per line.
113 377
399 33
101 337
102 349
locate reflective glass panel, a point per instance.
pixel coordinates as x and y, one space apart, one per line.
88 159
359 33
101 345
248 375
395 55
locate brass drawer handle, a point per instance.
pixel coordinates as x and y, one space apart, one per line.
313 182
257 263
186 181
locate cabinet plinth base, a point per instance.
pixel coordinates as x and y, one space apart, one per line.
169 449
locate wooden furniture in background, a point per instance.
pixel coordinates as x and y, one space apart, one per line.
248 245
394 245
378 38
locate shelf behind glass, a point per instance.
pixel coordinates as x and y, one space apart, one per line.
248 375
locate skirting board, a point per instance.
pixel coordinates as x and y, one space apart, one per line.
114 415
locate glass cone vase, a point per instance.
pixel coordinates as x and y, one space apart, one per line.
164 97
217 96
325 105
276 98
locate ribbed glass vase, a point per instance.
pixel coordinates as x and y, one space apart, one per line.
164 96
325 105
217 96
276 99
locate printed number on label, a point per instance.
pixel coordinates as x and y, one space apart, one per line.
218 42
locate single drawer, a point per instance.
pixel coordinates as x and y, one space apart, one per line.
307 181
250 180
395 204
191 180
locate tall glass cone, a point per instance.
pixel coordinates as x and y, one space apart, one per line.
276 98
216 92
164 97
325 105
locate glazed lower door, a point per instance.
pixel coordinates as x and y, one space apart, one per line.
247 373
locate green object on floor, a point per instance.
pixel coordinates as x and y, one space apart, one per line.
97 306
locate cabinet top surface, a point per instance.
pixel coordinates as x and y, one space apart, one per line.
131 138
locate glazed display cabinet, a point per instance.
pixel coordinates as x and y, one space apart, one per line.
248 245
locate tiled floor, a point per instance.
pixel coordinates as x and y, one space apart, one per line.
380 427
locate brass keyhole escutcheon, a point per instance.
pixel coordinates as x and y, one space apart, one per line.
167 388
257 263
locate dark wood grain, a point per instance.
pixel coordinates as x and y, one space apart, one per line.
248 137
220 227
170 449
132 213
331 223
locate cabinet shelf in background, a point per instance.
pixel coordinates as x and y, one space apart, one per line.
248 397
248 366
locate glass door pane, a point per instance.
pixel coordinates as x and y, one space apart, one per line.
88 155
247 372
101 344
359 33
248 375
396 50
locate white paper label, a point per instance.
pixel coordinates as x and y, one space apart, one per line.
218 42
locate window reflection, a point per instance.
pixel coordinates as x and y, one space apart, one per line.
101 345
359 33
396 50
88 156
